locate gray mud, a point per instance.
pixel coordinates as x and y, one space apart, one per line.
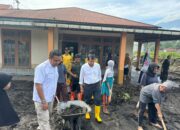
122 113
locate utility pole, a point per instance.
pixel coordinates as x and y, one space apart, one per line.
17 3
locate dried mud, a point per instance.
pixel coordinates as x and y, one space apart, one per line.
122 112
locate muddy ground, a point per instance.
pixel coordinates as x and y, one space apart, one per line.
122 112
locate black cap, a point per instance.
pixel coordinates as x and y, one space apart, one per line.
91 56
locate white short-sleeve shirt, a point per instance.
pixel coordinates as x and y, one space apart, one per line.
47 75
90 75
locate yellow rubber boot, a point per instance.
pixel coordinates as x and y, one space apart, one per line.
97 114
87 116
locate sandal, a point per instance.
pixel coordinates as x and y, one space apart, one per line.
106 112
156 125
140 128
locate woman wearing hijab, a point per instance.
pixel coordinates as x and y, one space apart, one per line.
8 116
107 86
151 75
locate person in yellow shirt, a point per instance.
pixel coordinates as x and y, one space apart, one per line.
67 61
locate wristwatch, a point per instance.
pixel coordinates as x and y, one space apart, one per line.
43 101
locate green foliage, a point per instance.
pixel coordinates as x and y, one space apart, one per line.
163 46
163 55
126 97
170 44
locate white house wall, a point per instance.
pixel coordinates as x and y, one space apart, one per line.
130 44
39 46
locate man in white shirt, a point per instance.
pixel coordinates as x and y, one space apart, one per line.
90 78
45 83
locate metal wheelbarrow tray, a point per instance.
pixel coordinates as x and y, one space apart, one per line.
72 120
72 112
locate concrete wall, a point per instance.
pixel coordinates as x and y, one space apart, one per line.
130 44
39 46
0 50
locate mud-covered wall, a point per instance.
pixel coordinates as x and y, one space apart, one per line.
175 66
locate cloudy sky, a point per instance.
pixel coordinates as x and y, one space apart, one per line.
148 11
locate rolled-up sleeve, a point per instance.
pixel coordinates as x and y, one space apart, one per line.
99 74
39 75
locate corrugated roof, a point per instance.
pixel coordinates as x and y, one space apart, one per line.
73 14
3 6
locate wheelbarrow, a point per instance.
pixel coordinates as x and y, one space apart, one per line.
72 120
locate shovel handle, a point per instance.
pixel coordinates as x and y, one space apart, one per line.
163 124
57 99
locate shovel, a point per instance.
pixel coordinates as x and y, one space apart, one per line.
163 124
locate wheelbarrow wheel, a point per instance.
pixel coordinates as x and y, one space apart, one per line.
78 125
72 124
75 124
67 125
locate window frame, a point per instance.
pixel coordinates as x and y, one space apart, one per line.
16 38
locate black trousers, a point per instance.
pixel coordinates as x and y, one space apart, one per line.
75 85
152 113
92 90
61 92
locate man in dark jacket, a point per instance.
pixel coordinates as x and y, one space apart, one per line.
165 69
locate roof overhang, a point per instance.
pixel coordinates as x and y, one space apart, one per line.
141 35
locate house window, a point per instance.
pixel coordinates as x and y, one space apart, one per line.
9 52
16 48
